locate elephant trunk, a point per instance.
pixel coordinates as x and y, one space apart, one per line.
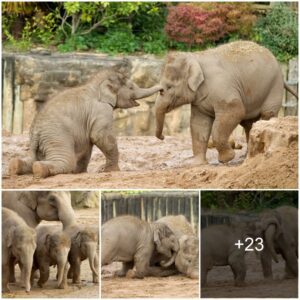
160 119
143 93
169 262
91 253
269 235
61 268
66 213
26 273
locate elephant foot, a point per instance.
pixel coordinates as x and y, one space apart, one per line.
76 281
240 284
40 170
226 155
96 279
40 284
111 168
15 167
130 274
62 286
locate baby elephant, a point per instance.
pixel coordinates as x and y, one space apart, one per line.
64 131
132 241
53 247
84 245
218 248
18 246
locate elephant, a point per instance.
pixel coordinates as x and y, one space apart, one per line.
64 132
218 248
280 232
187 257
53 247
236 83
35 206
84 245
132 241
18 245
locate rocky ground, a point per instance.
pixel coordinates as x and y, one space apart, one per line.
220 282
147 162
87 289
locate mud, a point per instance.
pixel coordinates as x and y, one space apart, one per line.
147 162
87 289
178 286
220 282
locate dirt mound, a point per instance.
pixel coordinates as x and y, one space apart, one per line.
147 162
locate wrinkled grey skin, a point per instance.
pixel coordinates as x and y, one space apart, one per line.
35 206
280 232
236 83
132 241
53 247
218 249
18 246
187 257
64 132
84 245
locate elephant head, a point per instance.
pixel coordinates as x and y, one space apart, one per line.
120 92
87 241
187 258
35 206
58 246
22 242
180 81
166 242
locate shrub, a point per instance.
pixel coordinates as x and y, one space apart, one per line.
208 22
278 31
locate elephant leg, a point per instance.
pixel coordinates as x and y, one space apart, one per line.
238 267
19 166
64 282
70 272
107 143
83 162
291 262
12 277
76 270
44 275
201 126
203 276
96 264
5 278
266 262
226 120
247 125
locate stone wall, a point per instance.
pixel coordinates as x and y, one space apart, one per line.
30 79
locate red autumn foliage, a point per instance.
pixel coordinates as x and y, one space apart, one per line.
208 22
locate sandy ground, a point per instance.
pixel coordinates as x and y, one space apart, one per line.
178 286
220 282
87 289
147 162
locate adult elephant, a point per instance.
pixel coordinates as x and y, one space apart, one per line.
35 206
64 132
280 233
236 83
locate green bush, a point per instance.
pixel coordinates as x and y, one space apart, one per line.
278 31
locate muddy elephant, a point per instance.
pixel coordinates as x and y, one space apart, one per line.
280 233
187 256
84 245
35 206
18 246
53 247
132 241
218 248
64 132
236 83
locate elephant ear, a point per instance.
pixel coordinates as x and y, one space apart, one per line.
77 239
29 199
108 93
195 75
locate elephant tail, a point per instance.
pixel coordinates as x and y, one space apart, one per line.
290 90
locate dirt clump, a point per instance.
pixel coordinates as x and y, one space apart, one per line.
147 162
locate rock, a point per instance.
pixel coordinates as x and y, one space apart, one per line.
267 136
